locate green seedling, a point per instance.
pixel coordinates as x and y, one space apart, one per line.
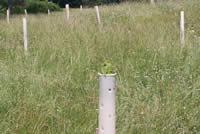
107 68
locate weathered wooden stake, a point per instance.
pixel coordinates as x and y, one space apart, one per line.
182 28
25 37
67 10
107 90
8 16
98 16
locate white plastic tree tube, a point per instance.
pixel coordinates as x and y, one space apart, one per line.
182 27
107 90
152 2
25 12
67 10
8 16
81 7
25 36
48 12
98 16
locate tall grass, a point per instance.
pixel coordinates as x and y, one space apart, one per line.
55 88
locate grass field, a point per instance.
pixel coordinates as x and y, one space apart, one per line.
55 88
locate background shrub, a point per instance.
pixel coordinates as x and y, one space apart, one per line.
41 6
32 6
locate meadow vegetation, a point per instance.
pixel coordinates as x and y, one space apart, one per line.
55 88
